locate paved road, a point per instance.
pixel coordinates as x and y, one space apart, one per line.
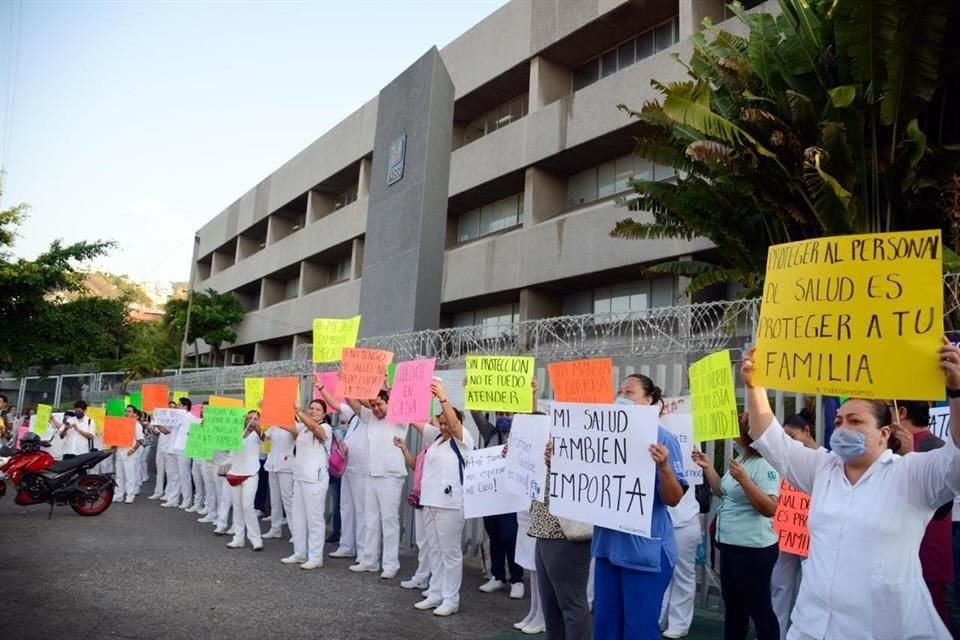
139 571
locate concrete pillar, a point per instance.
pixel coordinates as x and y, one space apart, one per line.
271 292
278 228
544 195
263 352
549 82
356 267
246 247
300 342
363 186
692 13
313 276
318 205
536 304
220 261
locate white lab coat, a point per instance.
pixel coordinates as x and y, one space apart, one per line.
311 479
863 577
126 466
246 462
353 494
279 466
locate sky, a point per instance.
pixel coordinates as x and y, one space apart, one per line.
137 122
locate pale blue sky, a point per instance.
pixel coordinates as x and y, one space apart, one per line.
139 121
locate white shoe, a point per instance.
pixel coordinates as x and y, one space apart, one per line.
154 497
445 610
294 559
185 507
192 510
342 554
493 585
388 575
523 623
272 534
290 540
220 531
232 530
168 505
534 628
311 564
117 498
413 584
427 604
129 500
673 634
203 512
517 591
266 517
258 547
235 544
364 568
207 519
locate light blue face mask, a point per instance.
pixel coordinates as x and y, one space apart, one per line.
622 400
848 443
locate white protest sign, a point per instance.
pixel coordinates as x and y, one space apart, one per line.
484 485
183 430
677 420
940 422
526 468
602 472
168 417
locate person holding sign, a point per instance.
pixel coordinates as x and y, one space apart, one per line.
184 464
748 546
441 495
126 462
311 478
388 469
868 514
353 485
77 430
171 461
631 572
243 480
279 468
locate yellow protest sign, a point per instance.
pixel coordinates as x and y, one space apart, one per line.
223 401
179 394
858 316
42 422
331 335
713 400
499 383
99 417
252 393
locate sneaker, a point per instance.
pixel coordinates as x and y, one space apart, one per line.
185 507
235 544
388 575
193 509
445 610
523 623
534 628
310 565
493 585
168 505
220 531
517 591
364 568
129 500
207 519
413 584
202 512
427 604
258 547
294 559
673 634
342 554
272 534
154 497
117 497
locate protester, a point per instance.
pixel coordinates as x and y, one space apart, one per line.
631 571
525 554
785 580
339 431
868 513
748 494
171 461
420 580
676 614
279 466
243 480
185 464
77 430
126 461
353 490
198 471
311 477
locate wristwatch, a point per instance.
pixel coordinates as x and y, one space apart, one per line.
953 393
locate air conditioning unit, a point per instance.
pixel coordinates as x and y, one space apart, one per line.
236 358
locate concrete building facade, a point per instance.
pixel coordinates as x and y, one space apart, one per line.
520 123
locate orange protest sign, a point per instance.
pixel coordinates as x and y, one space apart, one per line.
223 401
586 381
119 432
155 396
790 521
279 398
362 373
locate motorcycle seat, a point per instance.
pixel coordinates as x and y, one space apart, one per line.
66 465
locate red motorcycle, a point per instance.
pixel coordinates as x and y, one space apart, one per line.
39 479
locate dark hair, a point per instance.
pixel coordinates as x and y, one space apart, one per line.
320 402
456 412
3 398
880 410
80 404
185 402
917 412
803 420
136 411
653 392
383 395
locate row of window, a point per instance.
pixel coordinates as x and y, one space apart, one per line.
492 321
613 177
652 41
491 218
496 118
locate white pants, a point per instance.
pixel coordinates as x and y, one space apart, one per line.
143 469
126 467
171 463
186 479
676 613
281 494
307 519
245 522
197 471
444 531
224 502
382 513
353 524
784 585
423 546
161 473
211 488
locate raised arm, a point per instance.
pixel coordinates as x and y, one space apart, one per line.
453 423
764 503
758 404
710 475
315 427
408 457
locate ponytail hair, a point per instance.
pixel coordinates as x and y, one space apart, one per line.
653 392
804 420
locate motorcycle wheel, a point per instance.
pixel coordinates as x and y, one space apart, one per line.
98 506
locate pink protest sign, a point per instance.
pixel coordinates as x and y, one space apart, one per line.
328 380
410 395
196 410
20 433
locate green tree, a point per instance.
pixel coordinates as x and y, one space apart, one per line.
213 317
834 117
152 349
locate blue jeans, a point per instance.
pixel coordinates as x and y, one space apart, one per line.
626 602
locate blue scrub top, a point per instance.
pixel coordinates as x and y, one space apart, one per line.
636 552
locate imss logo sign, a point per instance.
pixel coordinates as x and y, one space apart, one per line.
398 150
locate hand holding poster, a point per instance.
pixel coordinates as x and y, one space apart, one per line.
329 381
838 314
332 335
790 520
713 399
500 383
223 427
155 396
526 468
252 393
42 423
588 381
279 399
602 472
119 432
484 493
410 395
362 373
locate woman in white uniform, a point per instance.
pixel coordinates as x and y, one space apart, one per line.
353 487
279 466
868 513
311 478
420 580
243 480
126 461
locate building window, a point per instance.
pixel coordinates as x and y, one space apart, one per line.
490 218
497 118
663 36
491 322
630 297
613 177
341 270
347 197
291 289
